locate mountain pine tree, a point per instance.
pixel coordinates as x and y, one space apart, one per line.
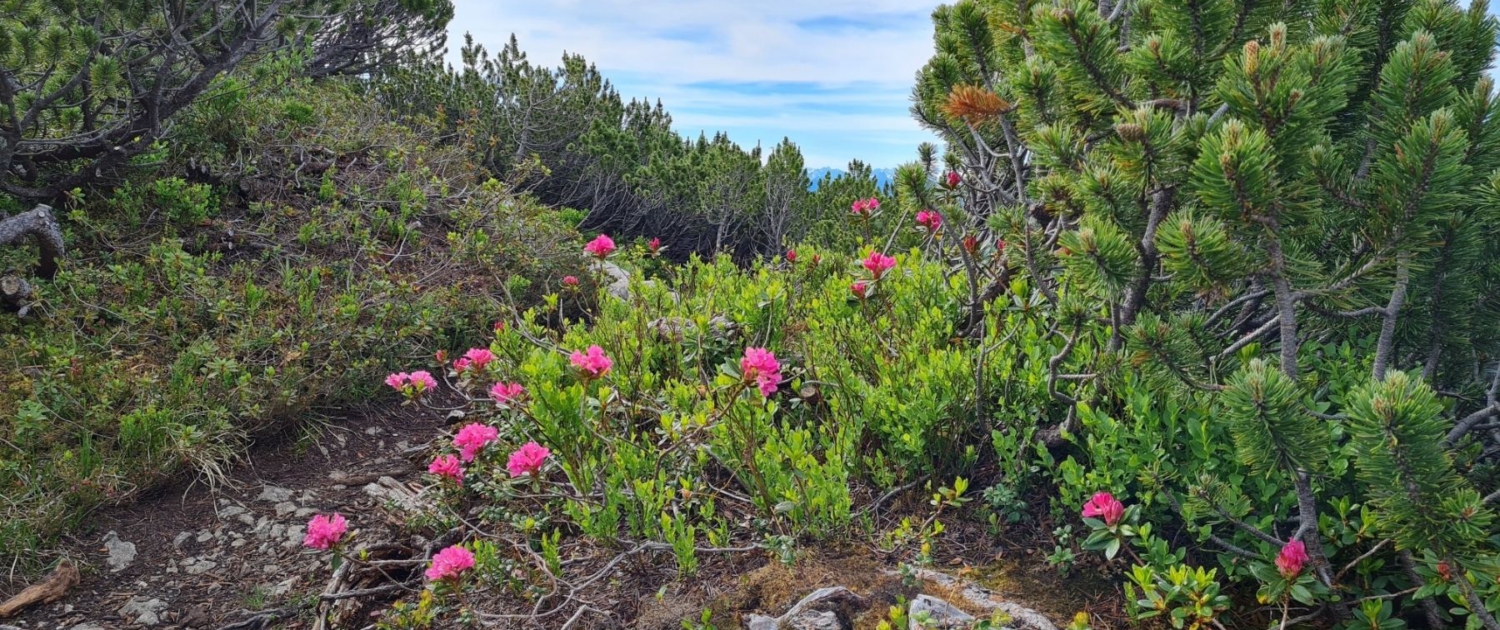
1218 176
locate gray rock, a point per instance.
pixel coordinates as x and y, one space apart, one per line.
121 553
231 511
284 508
762 622
930 613
814 620
204 536
198 566
181 539
146 612
87 626
980 597
274 494
829 608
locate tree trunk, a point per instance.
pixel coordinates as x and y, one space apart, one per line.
1387 345
40 224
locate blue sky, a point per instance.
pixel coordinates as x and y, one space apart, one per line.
833 75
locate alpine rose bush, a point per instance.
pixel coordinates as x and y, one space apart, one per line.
323 532
450 563
472 438
593 363
447 466
527 460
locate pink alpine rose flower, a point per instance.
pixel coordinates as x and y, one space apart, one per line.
592 363
450 563
423 381
474 359
601 247
953 179
397 380
860 289
447 466
1291 559
505 393
323 532
570 281
930 220
859 208
878 264
1105 506
654 245
527 460
472 438
761 366
791 256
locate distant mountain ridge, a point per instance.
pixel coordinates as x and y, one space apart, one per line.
883 176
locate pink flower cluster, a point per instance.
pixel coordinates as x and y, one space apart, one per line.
654 245
1291 559
601 247
929 220
506 393
472 438
952 179
323 532
1104 506
864 207
791 256
413 384
570 281
474 359
450 563
761 366
447 466
593 363
527 460
860 289
878 263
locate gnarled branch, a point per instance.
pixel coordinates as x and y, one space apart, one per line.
41 225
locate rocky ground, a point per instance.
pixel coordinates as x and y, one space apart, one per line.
200 557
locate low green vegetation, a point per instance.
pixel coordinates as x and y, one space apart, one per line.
308 245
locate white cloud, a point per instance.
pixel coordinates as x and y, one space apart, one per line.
841 66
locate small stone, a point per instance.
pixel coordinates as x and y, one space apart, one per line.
181 539
372 430
274 494
278 530
231 511
282 588
198 566
271 568
814 620
338 487
87 626
146 612
284 508
238 543
247 519
121 553
930 613
305 512
204 536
